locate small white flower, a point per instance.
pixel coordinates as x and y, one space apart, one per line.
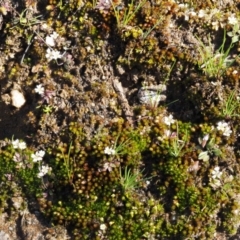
43 170
39 89
109 151
103 227
168 120
22 145
38 156
17 144
50 41
232 20
227 132
216 173
54 35
234 72
201 13
221 126
53 54
215 25
44 26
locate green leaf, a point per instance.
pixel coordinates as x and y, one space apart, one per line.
203 156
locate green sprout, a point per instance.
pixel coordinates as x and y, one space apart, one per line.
129 13
214 64
231 105
129 180
177 145
26 19
68 163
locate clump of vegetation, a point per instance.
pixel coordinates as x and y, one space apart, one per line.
98 160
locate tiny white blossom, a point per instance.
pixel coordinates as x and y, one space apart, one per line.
38 156
232 20
43 170
103 227
22 145
53 54
109 151
50 41
168 120
201 13
39 89
221 126
227 131
17 144
54 35
215 25
216 173
44 26
234 72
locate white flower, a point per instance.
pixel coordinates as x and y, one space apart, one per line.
38 156
22 145
50 41
216 173
103 227
39 89
44 26
17 144
227 132
232 20
52 54
43 171
109 151
215 25
168 120
54 35
201 13
221 126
